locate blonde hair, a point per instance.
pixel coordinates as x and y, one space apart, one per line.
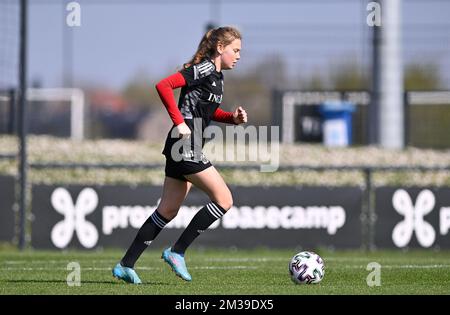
208 45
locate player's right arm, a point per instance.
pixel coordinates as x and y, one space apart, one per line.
190 76
165 89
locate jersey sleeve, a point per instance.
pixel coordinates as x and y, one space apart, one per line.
223 116
195 74
165 90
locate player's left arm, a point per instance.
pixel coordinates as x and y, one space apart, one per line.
239 116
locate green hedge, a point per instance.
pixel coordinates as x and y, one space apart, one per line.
48 149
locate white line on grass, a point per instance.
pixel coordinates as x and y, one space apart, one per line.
260 259
395 267
286 259
335 261
237 267
109 269
62 261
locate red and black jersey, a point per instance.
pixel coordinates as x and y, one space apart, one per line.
200 98
203 92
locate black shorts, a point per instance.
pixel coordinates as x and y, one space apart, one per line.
177 170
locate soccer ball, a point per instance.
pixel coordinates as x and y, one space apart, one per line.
306 268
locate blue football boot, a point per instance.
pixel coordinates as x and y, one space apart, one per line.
177 263
126 274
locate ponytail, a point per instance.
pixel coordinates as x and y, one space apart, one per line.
208 45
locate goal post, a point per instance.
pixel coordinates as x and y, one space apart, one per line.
77 105
73 96
287 105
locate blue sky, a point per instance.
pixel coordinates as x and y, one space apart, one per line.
118 39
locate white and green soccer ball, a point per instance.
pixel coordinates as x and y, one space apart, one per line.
306 268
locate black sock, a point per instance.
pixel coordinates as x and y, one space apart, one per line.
200 222
146 234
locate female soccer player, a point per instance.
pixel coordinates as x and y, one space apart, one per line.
201 80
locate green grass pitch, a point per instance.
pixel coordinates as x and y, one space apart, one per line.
225 272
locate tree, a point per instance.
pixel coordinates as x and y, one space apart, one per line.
424 76
315 81
348 75
140 91
253 90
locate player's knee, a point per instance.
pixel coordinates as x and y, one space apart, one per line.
225 201
168 212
